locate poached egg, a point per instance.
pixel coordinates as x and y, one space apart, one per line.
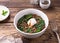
31 22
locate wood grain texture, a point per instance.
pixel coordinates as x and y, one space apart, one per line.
25 3
53 13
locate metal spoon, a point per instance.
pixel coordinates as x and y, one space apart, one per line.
54 29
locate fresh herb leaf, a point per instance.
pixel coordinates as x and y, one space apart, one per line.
4 12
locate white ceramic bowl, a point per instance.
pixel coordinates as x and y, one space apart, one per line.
5 9
43 6
33 11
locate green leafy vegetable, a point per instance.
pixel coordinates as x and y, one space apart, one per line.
42 22
40 25
21 28
28 30
27 17
38 29
4 12
21 20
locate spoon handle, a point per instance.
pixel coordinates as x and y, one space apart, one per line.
58 37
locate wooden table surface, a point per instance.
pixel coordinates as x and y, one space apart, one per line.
53 13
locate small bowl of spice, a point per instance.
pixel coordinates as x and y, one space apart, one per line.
45 4
4 12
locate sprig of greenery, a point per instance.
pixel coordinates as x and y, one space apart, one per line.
4 12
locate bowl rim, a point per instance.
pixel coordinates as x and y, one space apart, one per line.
30 33
8 13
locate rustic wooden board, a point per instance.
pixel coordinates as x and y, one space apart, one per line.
53 13
25 3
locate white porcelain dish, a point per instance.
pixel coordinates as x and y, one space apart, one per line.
33 11
2 17
43 6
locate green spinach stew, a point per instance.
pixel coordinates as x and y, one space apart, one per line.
23 26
